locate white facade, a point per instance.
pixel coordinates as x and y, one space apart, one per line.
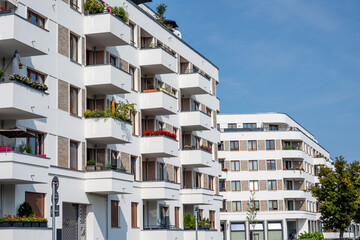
273 156
93 61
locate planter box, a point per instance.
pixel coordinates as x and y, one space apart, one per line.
17 224
5 224
90 168
35 224
27 224
43 224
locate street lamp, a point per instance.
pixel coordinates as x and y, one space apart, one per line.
196 222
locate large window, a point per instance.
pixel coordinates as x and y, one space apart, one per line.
257 231
255 205
74 100
237 231
253 165
36 19
36 76
235 165
254 185
74 154
270 145
37 202
74 47
249 125
289 185
252 145
273 127
271 165
37 142
134 221
275 231
211 182
231 125
273 205
290 205
271 184
236 206
235 185
114 214
234 145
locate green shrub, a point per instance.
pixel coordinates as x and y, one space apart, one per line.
120 12
187 219
93 6
2 74
91 163
306 235
25 209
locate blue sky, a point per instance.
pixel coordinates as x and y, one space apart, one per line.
292 56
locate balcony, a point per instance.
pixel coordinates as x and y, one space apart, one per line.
160 190
162 232
296 194
108 182
19 101
197 196
25 233
105 30
212 234
194 84
195 121
196 158
106 80
158 103
17 33
108 131
19 168
157 61
159 146
293 174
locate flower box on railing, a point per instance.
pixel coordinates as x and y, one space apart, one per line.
206 148
25 221
28 81
222 189
224 169
159 133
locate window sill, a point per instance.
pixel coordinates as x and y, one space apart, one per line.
75 62
74 115
75 10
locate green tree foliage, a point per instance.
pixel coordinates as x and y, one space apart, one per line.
252 212
315 235
355 179
25 209
336 195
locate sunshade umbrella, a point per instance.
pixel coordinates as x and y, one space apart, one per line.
15 133
141 1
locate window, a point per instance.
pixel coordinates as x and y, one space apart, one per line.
74 47
211 182
37 202
290 205
74 100
235 165
212 219
254 205
177 217
271 184
133 166
114 158
38 77
275 231
254 185
134 221
271 165
273 205
208 112
289 185
133 120
197 180
222 163
249 125
114 214
196 142
231 125
236 206
37 142
132 34
235 185
196 106
132 73
36 19
270 145
218 127
288 165
221 146
237 231
234 145
273 127
252 145
112 60
253 165
74 155
74 4
176 170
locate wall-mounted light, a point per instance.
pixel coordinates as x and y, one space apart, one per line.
20 66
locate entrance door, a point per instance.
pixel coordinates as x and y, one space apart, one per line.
291 229
74 222
164 216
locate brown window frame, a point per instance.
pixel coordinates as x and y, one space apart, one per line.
212 219
235 169
77 154
253 183
273 185
114 214
133 70
37 136
37 74
133 160
177 217
232 125
176 169
257 206
211 182
271 165
249 125
271 145
112 57
75 6
253 146
253 165
233 143
71 100
236 189
72 36
38 17
272 205
134 213
238 204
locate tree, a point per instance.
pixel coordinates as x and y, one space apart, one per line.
336 196
160 11
355 179
252 212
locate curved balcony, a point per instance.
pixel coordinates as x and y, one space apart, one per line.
195 158
159 190
197 196
195 121
17 33
194 84
156 102
157 61
159 146
19 101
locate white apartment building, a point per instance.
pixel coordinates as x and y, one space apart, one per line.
277 159
150 170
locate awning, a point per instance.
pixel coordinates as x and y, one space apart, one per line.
13 2
15 133
137 2
172 23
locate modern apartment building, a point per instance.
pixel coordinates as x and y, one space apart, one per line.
129 175
276 159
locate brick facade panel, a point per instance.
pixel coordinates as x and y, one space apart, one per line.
63 152
63 40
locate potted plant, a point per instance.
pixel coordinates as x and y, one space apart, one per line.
43 222
108 166
16 221
187 221
2 75
99 166
122 168
207 223
225 169
5 221
192 223
26 221
90 165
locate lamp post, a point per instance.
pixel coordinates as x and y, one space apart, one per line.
196 222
